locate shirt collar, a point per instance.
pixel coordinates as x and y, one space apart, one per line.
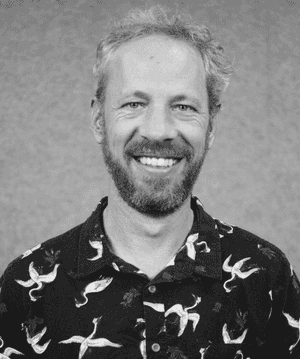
208 261
202 243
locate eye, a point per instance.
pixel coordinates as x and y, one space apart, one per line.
185 107
133 105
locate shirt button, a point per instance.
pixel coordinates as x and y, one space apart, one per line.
155 347
152 289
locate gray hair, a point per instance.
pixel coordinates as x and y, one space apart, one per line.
161 20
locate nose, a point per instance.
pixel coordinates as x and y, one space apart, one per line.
158 125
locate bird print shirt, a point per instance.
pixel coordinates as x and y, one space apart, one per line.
225 294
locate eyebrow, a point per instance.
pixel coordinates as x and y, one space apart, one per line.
176 98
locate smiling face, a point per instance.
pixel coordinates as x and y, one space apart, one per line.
155 133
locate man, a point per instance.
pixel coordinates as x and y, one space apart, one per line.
150 274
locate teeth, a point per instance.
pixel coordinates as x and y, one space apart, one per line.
157 162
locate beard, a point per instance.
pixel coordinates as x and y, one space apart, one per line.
154 197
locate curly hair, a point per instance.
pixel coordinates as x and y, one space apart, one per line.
160 20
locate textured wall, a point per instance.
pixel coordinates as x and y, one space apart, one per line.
52 173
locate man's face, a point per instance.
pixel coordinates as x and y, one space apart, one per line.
155 133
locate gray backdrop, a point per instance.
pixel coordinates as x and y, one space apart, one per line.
52 173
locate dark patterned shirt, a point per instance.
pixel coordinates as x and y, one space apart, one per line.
226 294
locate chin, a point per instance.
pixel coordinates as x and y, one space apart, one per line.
156 204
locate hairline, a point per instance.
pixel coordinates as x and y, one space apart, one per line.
188 44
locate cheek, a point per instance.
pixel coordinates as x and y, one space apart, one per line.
195 134
120 130
121 125
117 136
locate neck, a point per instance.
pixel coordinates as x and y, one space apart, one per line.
140 239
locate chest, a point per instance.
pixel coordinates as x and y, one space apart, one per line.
125 317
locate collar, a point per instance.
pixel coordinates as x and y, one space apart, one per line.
202 244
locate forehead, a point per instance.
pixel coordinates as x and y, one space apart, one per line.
155 61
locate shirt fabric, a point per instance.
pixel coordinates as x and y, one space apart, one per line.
225 294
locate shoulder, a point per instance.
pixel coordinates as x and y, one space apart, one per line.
237 237
61 249
58 252
241 245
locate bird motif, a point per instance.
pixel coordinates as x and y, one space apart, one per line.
235 271
30 251
292 270
37 279
143 345
228 340
87 342
139 271
226 227
198 202
206 247
139 322
8 351
271 297
156 306
99 247
94 287
295 324
191 251
39 349
202 351
115 266
239 355
184 315
190 245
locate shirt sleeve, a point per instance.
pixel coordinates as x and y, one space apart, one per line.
12 315
283 331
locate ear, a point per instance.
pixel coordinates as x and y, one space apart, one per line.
213 130
97 120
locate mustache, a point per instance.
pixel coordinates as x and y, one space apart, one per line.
172 149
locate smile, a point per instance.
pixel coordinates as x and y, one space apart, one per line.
157 162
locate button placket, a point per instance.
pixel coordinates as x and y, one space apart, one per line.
154 312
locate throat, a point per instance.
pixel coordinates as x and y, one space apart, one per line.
150 265
148 244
